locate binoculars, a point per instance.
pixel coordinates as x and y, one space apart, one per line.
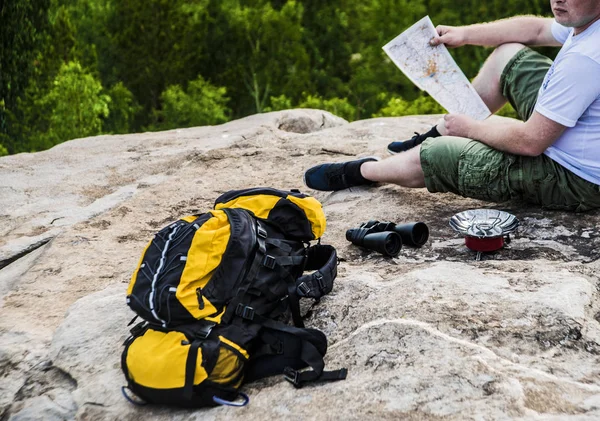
386 237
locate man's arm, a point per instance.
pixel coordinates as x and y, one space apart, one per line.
528 30
530 138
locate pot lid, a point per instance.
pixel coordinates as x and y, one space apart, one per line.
484 223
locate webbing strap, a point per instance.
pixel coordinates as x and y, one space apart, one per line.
311 356
292 298
300 378
294 302
279 244
260 253
190 369
290 260
319 283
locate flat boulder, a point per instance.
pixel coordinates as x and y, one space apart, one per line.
434 333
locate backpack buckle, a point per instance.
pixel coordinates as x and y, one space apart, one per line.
245 312
319 278
303 288
291 376
205 330
262 232
269 262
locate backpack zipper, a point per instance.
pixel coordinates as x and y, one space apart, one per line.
200 298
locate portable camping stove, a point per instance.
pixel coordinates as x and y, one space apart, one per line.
485 230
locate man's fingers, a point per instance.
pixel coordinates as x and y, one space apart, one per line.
441 29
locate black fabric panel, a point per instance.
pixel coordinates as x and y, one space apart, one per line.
242 335
292 220
166 303
238 255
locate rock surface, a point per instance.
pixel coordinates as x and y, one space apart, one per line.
432 334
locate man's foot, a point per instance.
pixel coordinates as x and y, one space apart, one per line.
339 176
417 139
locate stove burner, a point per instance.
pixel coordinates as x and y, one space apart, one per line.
484 229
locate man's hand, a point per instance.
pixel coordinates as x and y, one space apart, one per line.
459 125
452 36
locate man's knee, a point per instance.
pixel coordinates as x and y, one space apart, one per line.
504 53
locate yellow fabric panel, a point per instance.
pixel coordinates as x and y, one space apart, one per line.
216 318
204 255
314 212
157 360
137 269
234 345
260 204
189 219
228 366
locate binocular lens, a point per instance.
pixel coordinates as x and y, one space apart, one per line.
414 234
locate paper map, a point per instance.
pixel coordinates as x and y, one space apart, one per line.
433 69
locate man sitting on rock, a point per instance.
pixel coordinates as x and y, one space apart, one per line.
551 158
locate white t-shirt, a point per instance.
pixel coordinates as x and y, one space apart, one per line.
570 95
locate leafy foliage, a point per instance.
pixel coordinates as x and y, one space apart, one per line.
338 106
76 105
122 109
422 105
21 36
202 104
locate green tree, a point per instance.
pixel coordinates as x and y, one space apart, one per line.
327 36
200 105
372 25
77 106
266 56
148 38
22 35
94 46
122 109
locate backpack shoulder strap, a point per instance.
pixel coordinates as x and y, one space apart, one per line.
323 258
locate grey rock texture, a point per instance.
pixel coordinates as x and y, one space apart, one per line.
433 334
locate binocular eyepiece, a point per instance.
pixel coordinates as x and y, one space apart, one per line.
386 237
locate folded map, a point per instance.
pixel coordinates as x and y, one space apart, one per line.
433 69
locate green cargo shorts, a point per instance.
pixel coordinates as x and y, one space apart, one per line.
471 169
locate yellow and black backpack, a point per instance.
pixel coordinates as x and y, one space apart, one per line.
216 291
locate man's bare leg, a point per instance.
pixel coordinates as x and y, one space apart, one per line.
403 169
487 81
